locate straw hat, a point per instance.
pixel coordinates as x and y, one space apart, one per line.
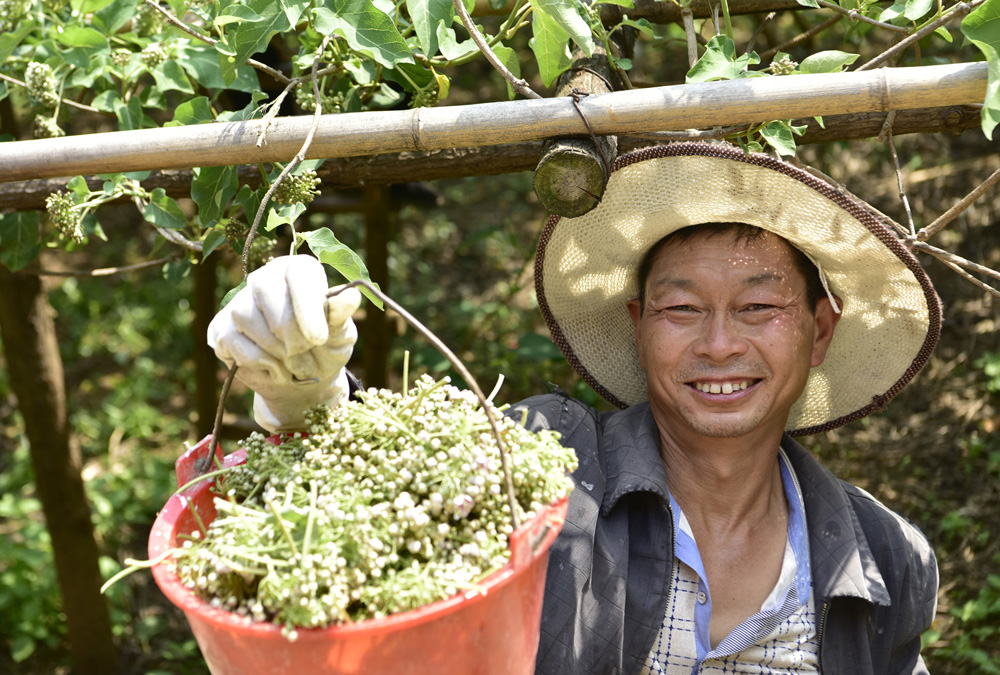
585 271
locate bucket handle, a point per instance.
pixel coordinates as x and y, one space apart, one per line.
462 371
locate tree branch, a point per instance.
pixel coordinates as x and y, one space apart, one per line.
955 12
927 232
855 16
519 85
67 101
102 271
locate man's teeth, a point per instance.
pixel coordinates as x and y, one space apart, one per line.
716 388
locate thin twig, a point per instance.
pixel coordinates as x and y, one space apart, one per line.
943 255
899 179
263 67
67 101
886 131
463 373
968 277
955 12
103 271
854 15
519 85
802 37
687 18
301 155
217 425
687 135
760 29
926 233
272 110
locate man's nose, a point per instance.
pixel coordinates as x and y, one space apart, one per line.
721 338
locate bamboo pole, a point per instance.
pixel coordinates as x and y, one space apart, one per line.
666 108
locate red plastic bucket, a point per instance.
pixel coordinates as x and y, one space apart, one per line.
492 630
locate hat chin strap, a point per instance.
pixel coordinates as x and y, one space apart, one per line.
825 282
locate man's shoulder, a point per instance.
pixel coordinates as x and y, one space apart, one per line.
885 526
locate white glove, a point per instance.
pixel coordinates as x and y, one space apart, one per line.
291 344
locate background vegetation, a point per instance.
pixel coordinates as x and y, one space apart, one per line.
460 258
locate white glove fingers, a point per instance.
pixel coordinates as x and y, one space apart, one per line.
304 367
251 358
249 321
342 307
306 280
271 298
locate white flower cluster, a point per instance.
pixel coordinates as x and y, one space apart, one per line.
390 503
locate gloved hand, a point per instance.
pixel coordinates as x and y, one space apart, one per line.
291 344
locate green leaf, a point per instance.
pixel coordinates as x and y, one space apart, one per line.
831 61
21 647
88 6
449 45
115 15
338 256
916 9
213 240
809 3
3 90
550 45
78 186
196 111
982 28
779 136
427 16
129 115
284 214
79 36
719 62
565 13
9 41
212 188
250 37
892 12
163 211
232 294
944 33
170 76
508 57
641 25
236 14
621 3
367 30
19 243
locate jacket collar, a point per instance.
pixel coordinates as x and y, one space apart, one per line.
842 561
630 453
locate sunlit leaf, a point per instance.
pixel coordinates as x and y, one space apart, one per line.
250 37
832 61
340 257
566 14
427 16
284 214
367 30
550 45
719 62
80 36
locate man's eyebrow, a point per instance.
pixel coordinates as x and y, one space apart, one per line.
683 284
764 278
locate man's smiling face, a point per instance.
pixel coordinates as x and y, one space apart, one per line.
726 334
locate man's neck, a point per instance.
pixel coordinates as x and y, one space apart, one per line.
724 484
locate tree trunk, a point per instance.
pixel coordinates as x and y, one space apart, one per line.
36 375
206 366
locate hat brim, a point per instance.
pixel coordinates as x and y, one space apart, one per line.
585 272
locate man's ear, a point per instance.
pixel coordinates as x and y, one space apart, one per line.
825 322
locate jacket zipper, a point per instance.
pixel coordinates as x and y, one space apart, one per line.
819 631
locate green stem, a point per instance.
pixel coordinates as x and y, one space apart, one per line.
135 565
281 524
728 21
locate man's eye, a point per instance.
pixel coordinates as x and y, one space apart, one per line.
679 308
758 307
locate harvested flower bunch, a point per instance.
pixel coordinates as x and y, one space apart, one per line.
391 502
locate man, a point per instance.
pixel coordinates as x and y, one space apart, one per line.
727 302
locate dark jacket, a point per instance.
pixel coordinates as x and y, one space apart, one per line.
874 575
